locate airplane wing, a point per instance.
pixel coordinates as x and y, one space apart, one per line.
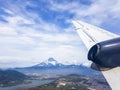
91 35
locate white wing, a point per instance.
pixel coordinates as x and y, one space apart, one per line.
91 35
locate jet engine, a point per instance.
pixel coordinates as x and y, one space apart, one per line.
106 54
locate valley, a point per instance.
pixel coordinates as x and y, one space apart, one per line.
51 75
75 82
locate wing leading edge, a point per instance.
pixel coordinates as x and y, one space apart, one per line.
91 35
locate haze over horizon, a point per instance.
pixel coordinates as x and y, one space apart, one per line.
31 31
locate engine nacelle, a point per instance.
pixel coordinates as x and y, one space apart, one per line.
106 54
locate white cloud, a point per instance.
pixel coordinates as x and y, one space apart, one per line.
65 6
11 62
96 13
25 41
8 11
28 45
18 20
7 29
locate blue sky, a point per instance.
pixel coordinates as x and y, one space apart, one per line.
34 30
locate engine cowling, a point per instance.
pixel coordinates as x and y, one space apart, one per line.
106 54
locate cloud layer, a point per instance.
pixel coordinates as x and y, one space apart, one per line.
32 31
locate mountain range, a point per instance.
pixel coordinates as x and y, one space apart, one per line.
53 67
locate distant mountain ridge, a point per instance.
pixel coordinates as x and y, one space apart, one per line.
51 62
52 67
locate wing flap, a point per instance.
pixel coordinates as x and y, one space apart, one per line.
113 77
